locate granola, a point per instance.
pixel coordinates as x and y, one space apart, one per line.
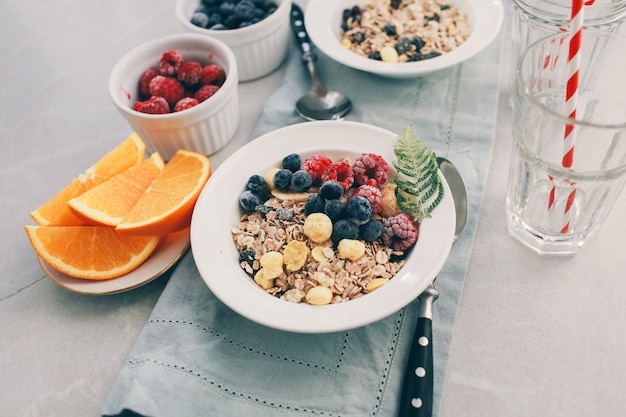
414 30
332 279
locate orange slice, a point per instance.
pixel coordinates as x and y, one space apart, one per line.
168 203
56 212
106 204
90 252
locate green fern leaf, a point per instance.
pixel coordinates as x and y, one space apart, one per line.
419 189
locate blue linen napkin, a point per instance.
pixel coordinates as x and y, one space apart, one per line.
196 357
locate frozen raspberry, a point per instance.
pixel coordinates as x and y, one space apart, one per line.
372 194
400 232
341 172
205 92
371 166
185 103
315 166
190 73
168 88
154 105
170 63
213 74
144 81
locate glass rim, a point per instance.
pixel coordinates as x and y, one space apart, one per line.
519 79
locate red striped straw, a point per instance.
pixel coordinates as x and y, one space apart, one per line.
571 98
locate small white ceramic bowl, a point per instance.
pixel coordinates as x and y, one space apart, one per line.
259 48
323 22
205 128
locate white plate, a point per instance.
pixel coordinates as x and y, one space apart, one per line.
323 19
169 250
217 212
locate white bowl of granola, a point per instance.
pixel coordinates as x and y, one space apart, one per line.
417 37
218 214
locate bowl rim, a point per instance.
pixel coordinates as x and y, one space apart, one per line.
215 254
237 36
486 20
218 46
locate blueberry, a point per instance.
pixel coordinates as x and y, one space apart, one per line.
218 26
231 21
227 8
344 229
418 42
247 256
244 10
249 200
432 54
314 204
403 45
331 190
292 162
282 179
301 180
358 210
335 209
375 55
214 19
200 19
371 231
358 37
390 30
257 184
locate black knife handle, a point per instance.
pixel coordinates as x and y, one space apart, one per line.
299 30
417 391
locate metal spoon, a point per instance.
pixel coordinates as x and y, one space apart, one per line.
318 103
417 390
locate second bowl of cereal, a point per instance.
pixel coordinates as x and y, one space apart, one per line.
402 38
305 231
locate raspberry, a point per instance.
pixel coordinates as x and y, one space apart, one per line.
205 92
400 232
168 88
170 63
372 194
341 172
185 103
371 166
315 166
190 73
212 74
144 81
154 105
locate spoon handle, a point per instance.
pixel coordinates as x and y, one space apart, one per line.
299 30
417 390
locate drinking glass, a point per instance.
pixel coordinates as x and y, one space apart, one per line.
552 207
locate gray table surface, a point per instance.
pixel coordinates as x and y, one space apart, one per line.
534 335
